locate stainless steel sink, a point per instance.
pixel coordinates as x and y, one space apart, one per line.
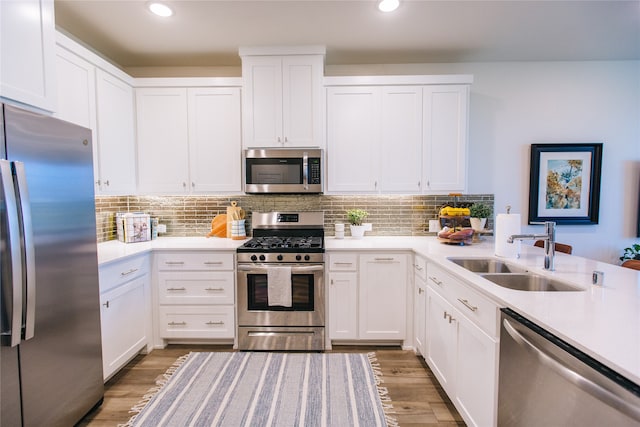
529 282
487 265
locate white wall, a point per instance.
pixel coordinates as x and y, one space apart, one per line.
516 104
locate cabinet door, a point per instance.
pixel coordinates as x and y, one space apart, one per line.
27 43
353 138
301 103
475 395
383 297
262 101
441 340
162 140
343 303
214 140
445 136
420 314
123 321
116 135
401 145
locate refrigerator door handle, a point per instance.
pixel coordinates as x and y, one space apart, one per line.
29 249
13 245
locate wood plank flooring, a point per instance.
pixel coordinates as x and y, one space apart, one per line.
417 398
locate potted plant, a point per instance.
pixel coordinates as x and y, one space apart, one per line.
632 252
356 216
479 212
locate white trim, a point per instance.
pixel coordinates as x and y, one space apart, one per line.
187 82
436 79
282 50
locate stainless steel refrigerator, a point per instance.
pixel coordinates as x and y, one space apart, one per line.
51 357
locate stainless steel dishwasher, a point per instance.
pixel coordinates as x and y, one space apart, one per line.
544 381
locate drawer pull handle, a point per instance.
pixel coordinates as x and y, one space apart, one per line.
176 289
106 304
417 267
213 263
220 323
468 305
177 323
343 263
174 262
436 281
384 259
126 273
214 289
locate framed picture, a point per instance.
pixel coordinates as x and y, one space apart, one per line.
564 184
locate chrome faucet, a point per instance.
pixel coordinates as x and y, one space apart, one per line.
549 238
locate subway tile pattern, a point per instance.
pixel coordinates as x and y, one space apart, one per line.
391 215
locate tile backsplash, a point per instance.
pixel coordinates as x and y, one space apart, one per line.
391 215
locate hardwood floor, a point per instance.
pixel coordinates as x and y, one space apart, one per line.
417 398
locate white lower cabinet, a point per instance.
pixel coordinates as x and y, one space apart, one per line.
125 312
368 296
420 304
462 346
195 295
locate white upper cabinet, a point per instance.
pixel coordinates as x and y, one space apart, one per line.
397 134
353 136
98 100
163 132
215 140
445 132
189 139
116 135
27 46
282 105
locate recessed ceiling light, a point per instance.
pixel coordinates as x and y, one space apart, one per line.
160 9
388 5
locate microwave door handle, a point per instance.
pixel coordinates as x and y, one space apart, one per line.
305 170
13 245
29 249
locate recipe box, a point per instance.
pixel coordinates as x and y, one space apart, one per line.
133 227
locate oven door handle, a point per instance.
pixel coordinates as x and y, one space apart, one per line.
259 268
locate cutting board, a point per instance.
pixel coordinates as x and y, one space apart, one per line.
218 226
234 212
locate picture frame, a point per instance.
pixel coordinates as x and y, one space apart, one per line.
564 184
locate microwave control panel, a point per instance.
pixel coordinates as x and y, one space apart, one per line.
314 170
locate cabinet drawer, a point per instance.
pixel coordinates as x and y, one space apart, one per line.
115 274
195 261
343 262
194 287
420 267
475 307
196 322
439 279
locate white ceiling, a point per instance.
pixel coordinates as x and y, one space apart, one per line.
209 32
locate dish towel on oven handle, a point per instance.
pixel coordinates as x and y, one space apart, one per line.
279 286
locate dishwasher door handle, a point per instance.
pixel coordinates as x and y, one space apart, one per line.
597 390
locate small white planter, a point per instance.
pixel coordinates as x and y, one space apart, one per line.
357 231
478 224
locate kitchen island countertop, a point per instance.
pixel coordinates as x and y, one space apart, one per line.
602 321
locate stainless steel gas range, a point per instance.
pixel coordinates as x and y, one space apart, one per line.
281 295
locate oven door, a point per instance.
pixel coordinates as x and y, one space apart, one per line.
307 292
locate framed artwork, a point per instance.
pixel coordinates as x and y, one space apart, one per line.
564 184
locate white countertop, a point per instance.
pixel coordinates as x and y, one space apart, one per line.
604 322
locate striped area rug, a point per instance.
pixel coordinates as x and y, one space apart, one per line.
268 389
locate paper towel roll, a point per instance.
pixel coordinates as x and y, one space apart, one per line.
506 225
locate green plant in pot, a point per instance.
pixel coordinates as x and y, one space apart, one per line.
479 212
632 252
356 217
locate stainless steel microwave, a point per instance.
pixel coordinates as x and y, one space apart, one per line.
282 170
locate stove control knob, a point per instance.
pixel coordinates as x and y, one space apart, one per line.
307 257
279 257
262 258
298 257
254 258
